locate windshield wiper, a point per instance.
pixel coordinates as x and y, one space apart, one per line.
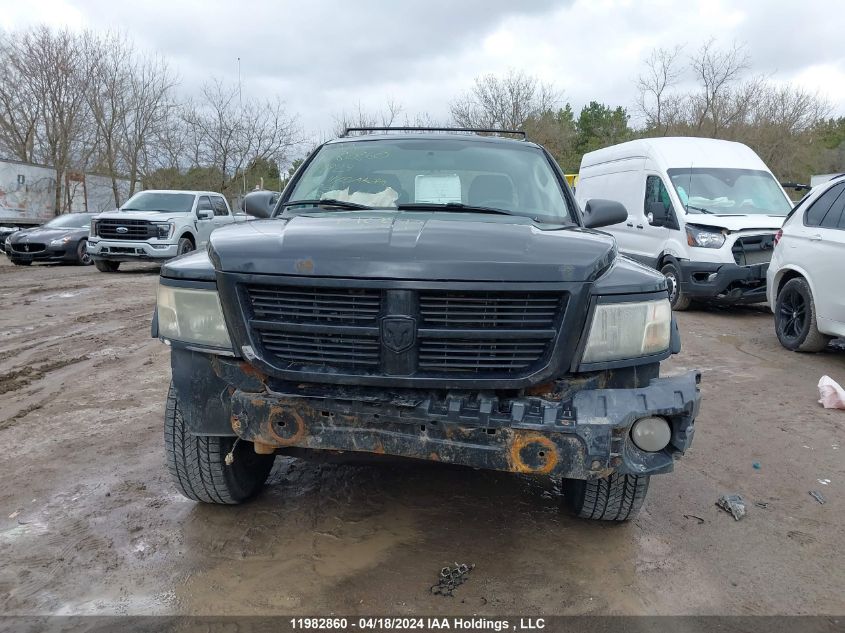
458 207
327 202
702 209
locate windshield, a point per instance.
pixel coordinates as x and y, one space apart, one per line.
386 174
729 191
160 202
70 221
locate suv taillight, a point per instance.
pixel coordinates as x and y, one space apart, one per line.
778 236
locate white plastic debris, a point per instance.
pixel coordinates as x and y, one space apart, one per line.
831 395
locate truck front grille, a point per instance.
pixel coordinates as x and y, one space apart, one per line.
523 310
128 229
398 332
315 305
322 351
478 357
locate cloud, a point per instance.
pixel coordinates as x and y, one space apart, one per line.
324 56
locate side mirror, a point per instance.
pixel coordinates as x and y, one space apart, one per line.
205 214
598 212
658 213
260 204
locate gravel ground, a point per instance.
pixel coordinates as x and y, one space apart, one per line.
90 523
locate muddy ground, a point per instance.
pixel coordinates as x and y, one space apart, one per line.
90 523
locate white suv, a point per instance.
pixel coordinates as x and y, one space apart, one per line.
156 225
805 277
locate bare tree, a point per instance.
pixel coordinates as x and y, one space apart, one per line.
20 108
360 117
716 69
504 102
225 133
656 102
56 74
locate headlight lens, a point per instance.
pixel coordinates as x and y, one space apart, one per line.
165 230
192 316
60 242
628 330
704 238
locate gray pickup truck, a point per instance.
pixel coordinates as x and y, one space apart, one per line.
429 295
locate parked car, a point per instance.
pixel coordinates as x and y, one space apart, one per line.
805 280
430 296
702 211
156 225
62 239
6 231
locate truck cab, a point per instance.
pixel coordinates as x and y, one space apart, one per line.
702 211
156 225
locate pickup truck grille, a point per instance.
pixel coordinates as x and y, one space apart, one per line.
315 305
128 229
397 332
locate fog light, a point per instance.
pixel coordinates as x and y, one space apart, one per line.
651 434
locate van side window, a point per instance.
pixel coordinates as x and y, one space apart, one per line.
655 191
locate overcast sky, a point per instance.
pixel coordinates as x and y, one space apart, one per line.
324 57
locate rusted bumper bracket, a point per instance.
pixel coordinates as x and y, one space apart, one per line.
585 436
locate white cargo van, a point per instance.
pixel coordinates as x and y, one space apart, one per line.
703 211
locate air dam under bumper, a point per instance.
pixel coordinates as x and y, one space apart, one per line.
579 432
131 251
727 283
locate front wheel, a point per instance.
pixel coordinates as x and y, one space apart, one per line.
614 498
83 257
106 266
185 246
197 463
795 318
679 300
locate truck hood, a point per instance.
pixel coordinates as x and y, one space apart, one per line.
442 247
737 222
152 216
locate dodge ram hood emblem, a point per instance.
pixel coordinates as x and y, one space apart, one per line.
398 333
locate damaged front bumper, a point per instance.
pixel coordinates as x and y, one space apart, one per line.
574 429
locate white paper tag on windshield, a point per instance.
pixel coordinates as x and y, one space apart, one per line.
437 189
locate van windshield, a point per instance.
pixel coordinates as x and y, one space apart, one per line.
729 191
435 174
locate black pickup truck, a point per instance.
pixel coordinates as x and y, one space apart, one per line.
435 295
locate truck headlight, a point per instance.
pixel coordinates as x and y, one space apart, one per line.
191 316
628 330
165 230
704 238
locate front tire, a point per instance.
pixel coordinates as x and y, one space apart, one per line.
185 246
614 498
795 318
197 462
105 266
679 300
83 257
